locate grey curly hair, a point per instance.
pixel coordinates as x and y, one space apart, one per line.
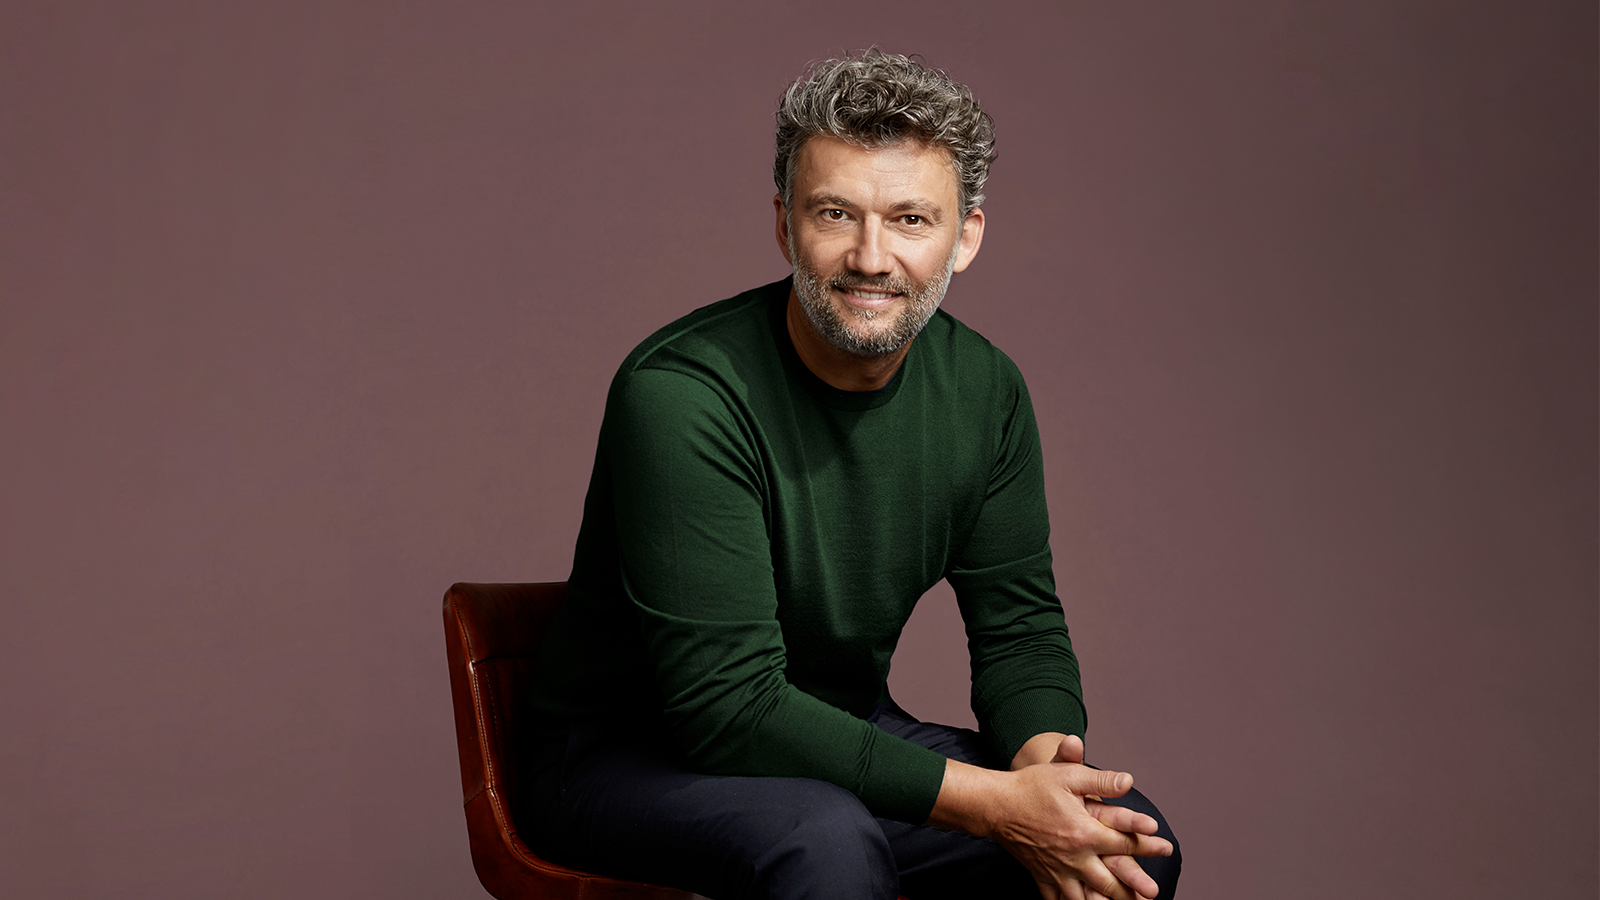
879 99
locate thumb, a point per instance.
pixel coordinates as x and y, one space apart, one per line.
1071 750
1094 782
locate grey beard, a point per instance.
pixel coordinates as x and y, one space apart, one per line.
922 302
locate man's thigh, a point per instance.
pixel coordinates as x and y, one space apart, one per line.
936 864
625 804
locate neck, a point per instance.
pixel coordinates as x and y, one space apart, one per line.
838 369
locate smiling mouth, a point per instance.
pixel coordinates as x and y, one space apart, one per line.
869 295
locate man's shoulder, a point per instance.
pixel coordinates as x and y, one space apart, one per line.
712 333
950 343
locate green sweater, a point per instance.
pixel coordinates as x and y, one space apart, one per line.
754 540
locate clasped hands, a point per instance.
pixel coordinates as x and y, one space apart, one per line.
1047 812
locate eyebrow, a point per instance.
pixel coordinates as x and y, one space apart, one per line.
828 200
930 207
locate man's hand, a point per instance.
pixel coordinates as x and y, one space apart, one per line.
1047 814
1069 749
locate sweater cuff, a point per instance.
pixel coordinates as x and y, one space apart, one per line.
1034 711
902 779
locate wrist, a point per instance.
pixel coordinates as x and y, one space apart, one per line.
969 799
1041 748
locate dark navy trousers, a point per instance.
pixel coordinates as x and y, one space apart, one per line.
623 803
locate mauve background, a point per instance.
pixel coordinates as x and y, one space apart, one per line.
309 310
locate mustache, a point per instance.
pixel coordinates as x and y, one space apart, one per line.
886 284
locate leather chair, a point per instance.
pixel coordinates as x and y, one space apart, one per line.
492 632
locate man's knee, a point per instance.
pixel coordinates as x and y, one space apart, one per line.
1163 869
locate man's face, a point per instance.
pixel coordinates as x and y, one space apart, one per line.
874 236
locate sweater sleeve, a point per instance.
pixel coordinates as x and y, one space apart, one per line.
1024 674
696 565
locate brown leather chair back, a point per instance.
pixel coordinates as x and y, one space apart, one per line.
492 632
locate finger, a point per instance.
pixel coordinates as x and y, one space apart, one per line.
1071 749
1122 844
1127 870
1099 879
1071 889
1122 818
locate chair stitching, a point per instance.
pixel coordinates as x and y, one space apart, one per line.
483 732
477 691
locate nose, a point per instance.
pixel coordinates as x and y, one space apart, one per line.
870 255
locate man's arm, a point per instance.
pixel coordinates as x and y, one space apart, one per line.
1025 676
1046 811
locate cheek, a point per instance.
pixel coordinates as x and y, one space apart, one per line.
818 256
930 261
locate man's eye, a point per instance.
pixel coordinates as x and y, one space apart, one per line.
833 215
914 220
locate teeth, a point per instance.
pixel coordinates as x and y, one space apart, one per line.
870 295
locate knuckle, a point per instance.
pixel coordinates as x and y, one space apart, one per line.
1076 833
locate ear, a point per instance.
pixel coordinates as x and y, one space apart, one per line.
783 227
971 239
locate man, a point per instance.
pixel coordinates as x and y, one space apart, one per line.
780 477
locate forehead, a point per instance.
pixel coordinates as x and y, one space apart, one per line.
828 167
